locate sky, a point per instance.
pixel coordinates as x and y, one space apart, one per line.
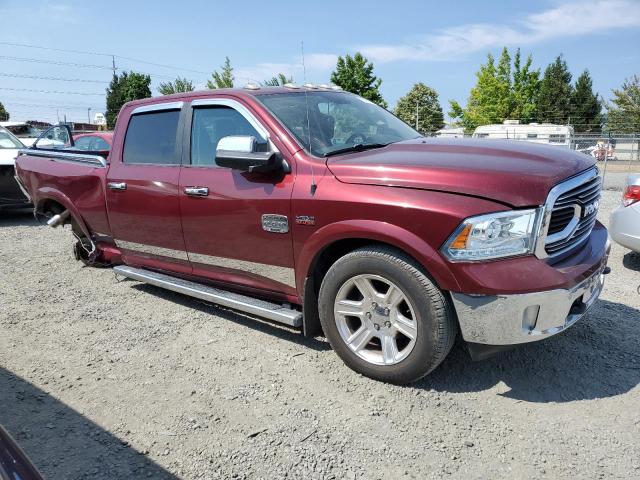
439 43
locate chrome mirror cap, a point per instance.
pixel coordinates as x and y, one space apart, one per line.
237 143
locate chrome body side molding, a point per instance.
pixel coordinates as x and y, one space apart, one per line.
284 275
253 306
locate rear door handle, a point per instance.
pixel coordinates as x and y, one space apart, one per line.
197 191
117 185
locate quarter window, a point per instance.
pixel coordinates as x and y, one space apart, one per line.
151 138
210 124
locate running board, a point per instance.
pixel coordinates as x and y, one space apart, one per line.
259 308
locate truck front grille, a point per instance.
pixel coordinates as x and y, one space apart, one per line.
573 206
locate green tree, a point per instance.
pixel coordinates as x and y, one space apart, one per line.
4 115
124 88
524 90
177 86
554 98
224 79
277 81
624 111
355 75
586 107
421 109
502 91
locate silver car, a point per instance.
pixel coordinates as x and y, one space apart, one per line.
625 220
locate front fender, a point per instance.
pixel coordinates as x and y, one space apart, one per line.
376 231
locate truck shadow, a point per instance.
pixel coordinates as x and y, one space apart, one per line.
259 324
599 357
632 261
61 442
18 218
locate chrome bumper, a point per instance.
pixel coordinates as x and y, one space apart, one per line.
528 317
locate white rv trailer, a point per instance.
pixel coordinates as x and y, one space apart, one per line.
547 133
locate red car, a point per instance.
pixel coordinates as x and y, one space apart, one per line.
94 141
318 209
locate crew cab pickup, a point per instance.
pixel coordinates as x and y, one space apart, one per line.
317 209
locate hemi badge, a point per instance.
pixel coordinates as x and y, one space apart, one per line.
275 223
305 220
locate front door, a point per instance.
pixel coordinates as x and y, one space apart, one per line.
236 224
142 190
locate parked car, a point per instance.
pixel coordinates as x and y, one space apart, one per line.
14 463
320 210
11 195
25 132
94 142
625 220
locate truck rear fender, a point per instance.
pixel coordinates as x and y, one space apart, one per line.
48 194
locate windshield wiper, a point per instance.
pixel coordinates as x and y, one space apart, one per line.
358 147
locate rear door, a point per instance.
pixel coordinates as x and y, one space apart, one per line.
228 216
143 189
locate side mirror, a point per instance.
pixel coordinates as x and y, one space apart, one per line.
240 152
57 137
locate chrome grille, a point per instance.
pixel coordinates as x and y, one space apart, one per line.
572 208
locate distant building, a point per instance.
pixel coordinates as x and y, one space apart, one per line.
547 133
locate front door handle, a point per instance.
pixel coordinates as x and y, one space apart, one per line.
117 185
197 191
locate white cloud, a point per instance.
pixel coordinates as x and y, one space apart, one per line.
569 19
317 65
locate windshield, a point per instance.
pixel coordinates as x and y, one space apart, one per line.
24 131
9 141
337 121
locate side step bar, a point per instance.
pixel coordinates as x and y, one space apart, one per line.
259 308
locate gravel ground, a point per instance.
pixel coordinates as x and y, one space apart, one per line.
108 380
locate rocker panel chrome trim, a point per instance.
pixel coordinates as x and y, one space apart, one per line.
152 250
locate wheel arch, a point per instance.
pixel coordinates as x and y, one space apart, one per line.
333 241
50 199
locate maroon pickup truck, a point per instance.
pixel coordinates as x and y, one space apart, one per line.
317 209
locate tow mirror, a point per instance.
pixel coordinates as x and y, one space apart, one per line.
241 152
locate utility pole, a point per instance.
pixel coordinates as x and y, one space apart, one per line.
89 115
113 64
417 113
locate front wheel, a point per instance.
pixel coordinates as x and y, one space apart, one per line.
384 317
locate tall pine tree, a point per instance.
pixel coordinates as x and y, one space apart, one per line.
586 107
355 75
4 115
554 98
624 110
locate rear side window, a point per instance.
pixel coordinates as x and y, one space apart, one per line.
151 138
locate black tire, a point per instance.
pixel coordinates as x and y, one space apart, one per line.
436 323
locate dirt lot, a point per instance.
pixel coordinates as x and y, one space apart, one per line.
100 379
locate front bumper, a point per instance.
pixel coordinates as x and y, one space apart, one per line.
527 317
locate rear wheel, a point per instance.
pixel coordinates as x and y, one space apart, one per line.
384 317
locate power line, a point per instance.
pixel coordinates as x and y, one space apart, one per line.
49 91
37 77
13 44
53 62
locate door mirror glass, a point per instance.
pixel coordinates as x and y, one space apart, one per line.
240 152
55 138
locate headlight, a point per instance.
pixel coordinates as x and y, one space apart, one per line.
494 235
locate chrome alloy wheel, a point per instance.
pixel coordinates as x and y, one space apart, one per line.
375 319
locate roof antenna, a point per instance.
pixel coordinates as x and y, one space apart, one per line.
314 187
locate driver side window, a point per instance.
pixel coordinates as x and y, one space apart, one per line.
210 124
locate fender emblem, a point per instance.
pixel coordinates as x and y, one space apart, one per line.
305 220
275 223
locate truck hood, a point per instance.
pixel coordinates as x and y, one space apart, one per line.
516 173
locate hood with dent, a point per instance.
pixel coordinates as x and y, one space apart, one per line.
516 173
